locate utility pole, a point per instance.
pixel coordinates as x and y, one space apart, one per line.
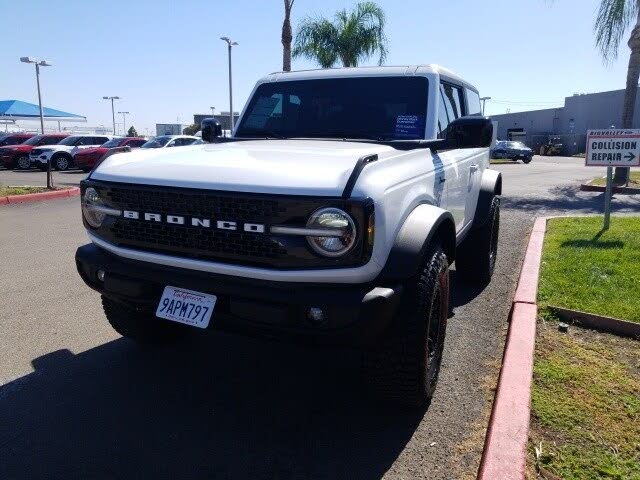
113 112
484 100
124 123
230 44
40 63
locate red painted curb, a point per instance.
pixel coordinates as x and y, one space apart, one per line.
39 197
527 290
505 449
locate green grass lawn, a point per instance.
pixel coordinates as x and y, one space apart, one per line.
634 180
592 271
5 191
585 405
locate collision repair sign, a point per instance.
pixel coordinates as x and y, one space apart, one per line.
613 148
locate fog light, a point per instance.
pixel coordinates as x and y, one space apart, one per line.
316 315
100 275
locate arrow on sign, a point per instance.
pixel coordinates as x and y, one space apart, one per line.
629 156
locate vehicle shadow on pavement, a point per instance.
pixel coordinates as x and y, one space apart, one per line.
570 198
218 406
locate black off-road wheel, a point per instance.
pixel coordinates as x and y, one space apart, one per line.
404 368
142 327
526 160
476 256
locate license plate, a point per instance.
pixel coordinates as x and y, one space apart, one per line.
186 306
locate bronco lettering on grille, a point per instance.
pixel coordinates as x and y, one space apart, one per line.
194 221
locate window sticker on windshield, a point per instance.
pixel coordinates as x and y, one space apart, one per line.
409 126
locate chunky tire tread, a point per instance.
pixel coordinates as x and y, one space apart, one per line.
141 327
399 369
474 260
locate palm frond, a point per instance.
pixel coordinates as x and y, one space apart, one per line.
612 21
316 39
352 37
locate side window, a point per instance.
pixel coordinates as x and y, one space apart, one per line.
135 143
443 118
172 143
82 141
99 140
473 102
453 100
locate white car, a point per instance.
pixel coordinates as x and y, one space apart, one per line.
168 141
61 154
331 215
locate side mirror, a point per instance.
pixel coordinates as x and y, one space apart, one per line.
470 132
211 130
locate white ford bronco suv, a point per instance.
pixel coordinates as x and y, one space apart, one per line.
331 215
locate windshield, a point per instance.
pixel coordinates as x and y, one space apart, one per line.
380 108
11 140
34 140
114 142
69 141
157 142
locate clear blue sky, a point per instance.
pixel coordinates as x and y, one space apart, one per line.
165 59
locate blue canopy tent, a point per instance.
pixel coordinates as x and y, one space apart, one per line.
12 110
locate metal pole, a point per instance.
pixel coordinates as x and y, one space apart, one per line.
607 199
113 115
124 124
230 92
49 179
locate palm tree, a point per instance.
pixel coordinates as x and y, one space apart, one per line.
613 20
287 37
351 38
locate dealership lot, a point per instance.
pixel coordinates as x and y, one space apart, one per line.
83 401
70 178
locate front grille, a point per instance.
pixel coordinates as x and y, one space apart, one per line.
230 246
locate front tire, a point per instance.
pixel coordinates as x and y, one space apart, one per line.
476 257
405 368
141 327
23 163
62 163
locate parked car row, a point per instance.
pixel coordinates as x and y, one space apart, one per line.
23 151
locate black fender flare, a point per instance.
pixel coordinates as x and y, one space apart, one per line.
490 187
424 225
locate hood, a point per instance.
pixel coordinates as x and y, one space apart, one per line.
58 148
92 151
16 148
297 167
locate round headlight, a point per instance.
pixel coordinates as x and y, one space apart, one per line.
91 203
340 228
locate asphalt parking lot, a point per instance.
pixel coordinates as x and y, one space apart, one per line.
77 401
35 177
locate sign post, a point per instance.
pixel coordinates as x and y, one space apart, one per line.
612 148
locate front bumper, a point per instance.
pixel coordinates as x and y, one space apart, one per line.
356 315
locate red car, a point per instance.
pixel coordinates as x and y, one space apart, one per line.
86 159
17 156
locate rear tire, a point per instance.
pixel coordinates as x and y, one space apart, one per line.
141 327
405 368
526 160
476 257
23 163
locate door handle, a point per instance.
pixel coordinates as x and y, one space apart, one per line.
442 179
474 167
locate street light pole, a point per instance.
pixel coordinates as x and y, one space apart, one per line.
40 63
483 100
124 123
113 112
230 44
213 111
